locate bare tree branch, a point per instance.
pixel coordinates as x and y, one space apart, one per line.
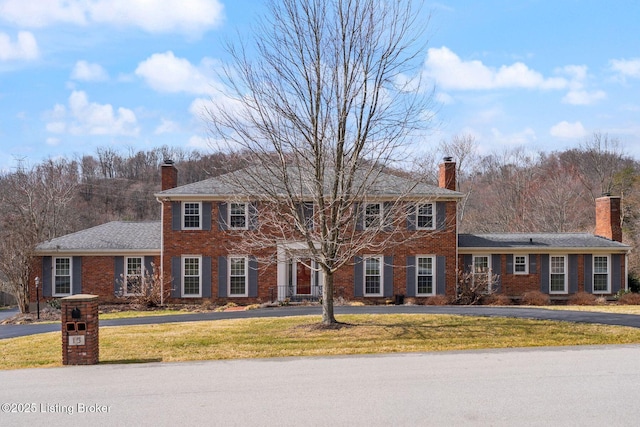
325 109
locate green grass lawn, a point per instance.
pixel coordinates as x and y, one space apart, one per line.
300 336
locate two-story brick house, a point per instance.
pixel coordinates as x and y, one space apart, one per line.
196 245
203 223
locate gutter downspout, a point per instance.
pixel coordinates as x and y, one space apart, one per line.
455 285
161 251
626 271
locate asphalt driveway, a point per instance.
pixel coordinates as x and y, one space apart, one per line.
10 331
5 313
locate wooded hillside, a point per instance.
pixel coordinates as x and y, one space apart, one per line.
511 191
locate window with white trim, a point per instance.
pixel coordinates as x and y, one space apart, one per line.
424 216
238 276
238 216
425 275
373 276
62 276
191 212
601 274
134 275
191 276
558 274
482 269
520 264
372 215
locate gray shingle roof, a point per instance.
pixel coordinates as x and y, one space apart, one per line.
109 237
386 185
537 241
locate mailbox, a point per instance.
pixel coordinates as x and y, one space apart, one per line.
80 345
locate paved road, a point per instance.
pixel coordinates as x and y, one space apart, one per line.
585 386
9 331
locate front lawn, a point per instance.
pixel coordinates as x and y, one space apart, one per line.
300 336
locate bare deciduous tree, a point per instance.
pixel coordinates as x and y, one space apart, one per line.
464 150
35 207
600 160
326 105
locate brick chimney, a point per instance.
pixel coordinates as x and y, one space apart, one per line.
447 175
169 175
608 218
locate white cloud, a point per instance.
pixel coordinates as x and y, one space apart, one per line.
199 142
583 97
200 107
40 14
56 127
523 137
486 116
52 141
444 98
85 71
167 126
565 129
191 17
24 48
84 118
451 72
626 67
165 72
577 73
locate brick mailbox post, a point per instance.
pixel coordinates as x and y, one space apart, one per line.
80 330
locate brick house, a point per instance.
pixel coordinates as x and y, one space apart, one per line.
554 263
202 224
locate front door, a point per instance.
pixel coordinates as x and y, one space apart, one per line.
303 276
299 278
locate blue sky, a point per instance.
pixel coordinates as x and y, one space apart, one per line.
133 74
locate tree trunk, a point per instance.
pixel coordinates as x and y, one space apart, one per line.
327 299
22 297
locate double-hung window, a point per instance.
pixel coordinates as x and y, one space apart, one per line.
558 274
238 276
372 215
306 213
134 276
62 277
424 216
601 274
482 270
191 212
520 264
425 273
238 216
191 276
373 276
